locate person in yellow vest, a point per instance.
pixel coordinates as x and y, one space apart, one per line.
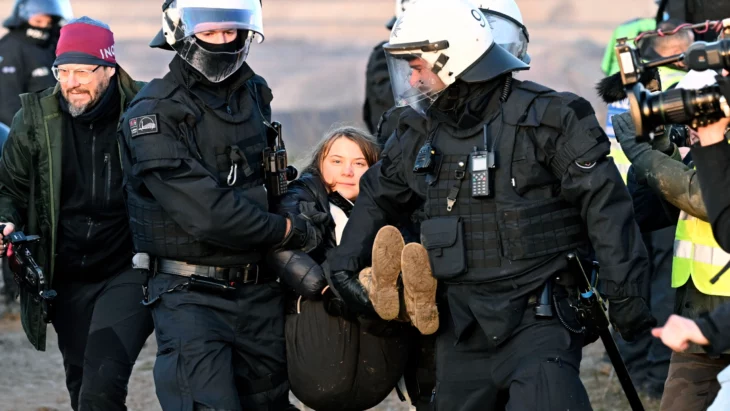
691 383
651 48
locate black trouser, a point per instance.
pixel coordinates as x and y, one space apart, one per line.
536 369
339 364
218 352
101 329
647 358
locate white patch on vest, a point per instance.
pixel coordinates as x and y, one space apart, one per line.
9 70
142 125
1 59
40 72
37 34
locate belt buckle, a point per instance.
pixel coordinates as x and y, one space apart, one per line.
257 272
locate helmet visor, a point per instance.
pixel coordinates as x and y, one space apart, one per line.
60 9
196 16
414 81
509 34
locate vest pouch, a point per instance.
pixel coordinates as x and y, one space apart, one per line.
443 238
540 229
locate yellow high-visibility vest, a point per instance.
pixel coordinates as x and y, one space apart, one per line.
697 255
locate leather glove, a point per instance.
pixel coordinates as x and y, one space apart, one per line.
625 131
304 233
630 316
334 305
299 271
347 286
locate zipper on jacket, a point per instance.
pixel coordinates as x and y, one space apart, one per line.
90 222
108 185
93 164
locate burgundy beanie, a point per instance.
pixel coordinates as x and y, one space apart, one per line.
85 41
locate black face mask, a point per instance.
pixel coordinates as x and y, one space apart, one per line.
230 47
39 36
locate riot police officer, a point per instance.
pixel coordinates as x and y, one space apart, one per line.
28 50
508 29
192 144
510 174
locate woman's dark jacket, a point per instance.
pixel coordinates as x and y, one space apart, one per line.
298 270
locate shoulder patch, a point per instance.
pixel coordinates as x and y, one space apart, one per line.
139 126
581 107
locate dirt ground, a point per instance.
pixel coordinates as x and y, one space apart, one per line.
314 59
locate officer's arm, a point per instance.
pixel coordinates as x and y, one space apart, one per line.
384 196
12 84
591 181
15 164
224 216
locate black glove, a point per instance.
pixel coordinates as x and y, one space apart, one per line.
304 233
346 285
630 316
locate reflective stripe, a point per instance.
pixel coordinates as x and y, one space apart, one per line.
710 255
697 256
683 249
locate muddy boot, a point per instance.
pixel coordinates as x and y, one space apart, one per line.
366 278
383 289
419 289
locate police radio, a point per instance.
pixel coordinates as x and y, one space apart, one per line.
277 170
479 164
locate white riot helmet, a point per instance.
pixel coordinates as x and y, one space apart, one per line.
436 42
183 19
400 7
508 28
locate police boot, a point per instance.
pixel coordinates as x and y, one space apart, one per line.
383 281
419 289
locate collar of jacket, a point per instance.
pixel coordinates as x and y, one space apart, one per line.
214 95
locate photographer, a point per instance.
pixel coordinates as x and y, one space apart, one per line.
692 372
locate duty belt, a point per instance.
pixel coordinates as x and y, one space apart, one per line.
248 274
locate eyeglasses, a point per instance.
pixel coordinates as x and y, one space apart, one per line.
81 76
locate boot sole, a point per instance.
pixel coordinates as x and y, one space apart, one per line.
419 289
387 250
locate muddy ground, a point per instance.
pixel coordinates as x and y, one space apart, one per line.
314 57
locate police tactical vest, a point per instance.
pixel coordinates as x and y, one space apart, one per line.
524 225
230 146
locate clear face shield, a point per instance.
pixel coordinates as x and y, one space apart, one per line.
192 17
509 34
414 78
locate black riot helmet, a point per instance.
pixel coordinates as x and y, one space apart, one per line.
23 10
182 20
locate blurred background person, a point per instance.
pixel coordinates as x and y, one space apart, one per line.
28 50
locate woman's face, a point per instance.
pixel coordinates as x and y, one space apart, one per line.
342 168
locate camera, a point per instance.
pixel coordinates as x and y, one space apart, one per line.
696 108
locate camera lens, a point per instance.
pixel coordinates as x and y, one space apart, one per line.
676 106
